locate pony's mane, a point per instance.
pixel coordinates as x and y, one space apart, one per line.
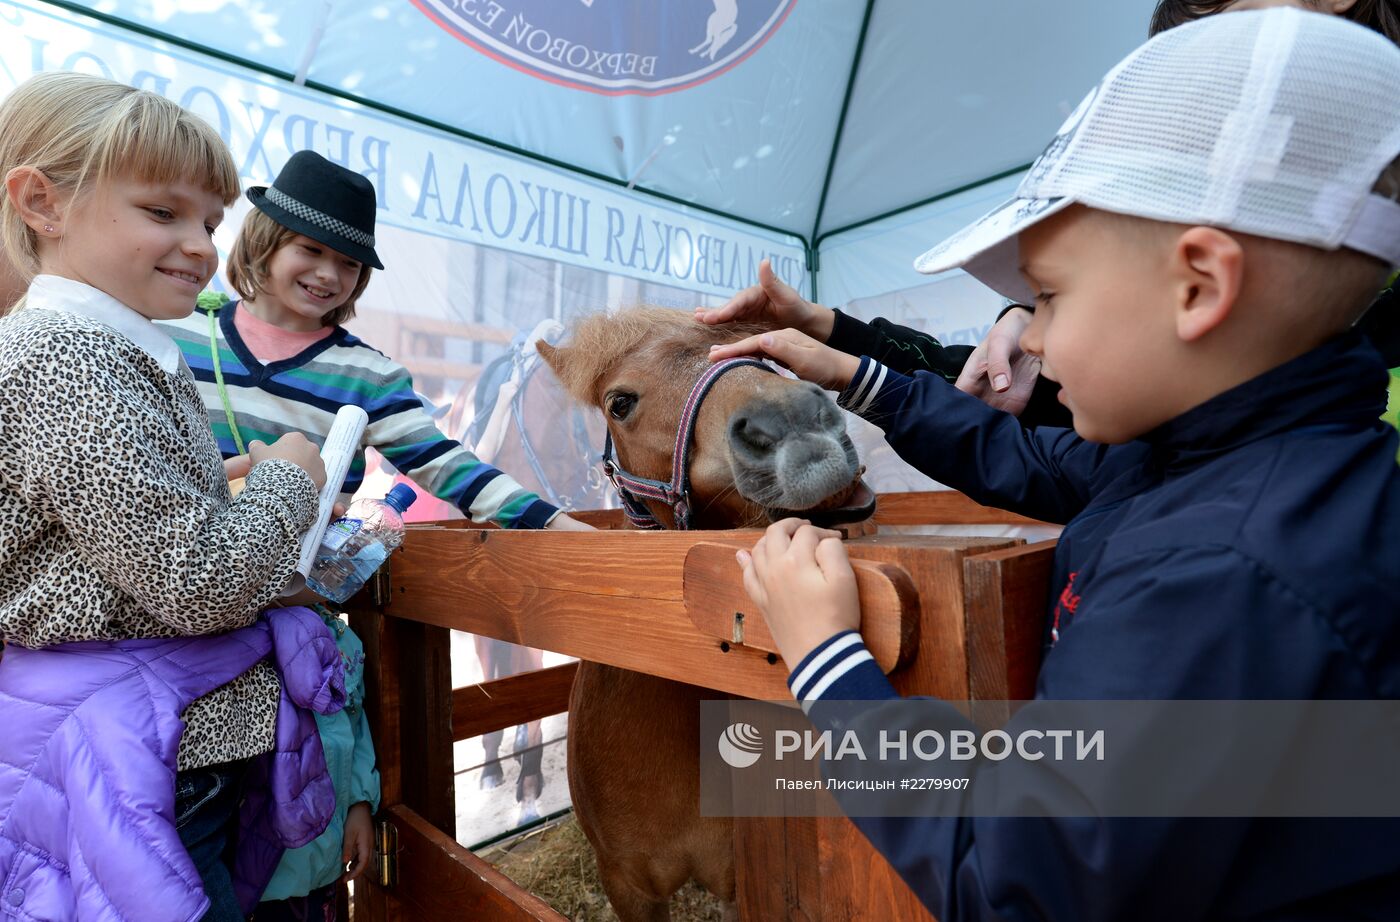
599 340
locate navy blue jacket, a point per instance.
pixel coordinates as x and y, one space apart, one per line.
1248 549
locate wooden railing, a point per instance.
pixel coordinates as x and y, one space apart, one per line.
620 597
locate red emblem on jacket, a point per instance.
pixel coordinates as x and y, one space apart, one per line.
1067 603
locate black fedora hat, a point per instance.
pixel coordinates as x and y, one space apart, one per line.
325 202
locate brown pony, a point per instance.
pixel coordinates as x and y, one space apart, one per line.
764 446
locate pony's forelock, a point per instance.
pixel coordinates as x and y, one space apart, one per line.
597 342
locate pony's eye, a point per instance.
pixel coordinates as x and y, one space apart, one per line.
620 405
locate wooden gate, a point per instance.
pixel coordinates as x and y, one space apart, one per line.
960 617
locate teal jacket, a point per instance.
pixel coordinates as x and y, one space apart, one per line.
350 758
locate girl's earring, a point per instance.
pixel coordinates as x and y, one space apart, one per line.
48 228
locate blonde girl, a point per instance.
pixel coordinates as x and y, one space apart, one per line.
116 520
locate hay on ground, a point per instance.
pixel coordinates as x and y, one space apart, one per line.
556 864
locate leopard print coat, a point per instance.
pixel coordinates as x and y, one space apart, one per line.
116 520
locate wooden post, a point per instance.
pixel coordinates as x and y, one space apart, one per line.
379 634
1007 592
829 871
425 725
410 722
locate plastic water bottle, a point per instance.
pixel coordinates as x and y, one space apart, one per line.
356 544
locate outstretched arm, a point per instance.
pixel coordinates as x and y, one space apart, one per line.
978 371
1047 474
401 429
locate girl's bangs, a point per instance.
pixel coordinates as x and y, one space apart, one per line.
157 141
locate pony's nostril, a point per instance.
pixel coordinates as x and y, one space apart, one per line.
752 434
813 404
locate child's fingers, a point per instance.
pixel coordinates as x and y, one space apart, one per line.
1000 354
777 538
740 307
835 563
788 347
972 378
751 345
786 527
234 468
1003 344
762 561
757 559
356 854
804 542
807 358
776 288
752 584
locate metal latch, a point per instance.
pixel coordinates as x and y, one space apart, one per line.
381 589
386 853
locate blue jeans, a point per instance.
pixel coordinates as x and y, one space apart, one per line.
206 805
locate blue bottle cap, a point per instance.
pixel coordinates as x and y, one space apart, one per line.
401 497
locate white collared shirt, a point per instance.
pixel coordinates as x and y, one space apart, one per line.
56 293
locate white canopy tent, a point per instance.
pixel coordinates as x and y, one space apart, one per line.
689 137
538 159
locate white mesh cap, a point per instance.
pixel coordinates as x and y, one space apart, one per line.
1275 122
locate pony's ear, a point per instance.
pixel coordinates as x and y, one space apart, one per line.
565 362
553 355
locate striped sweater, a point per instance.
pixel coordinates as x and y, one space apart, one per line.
303 393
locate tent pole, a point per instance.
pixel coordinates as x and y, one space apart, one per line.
919 204
312 44
836 140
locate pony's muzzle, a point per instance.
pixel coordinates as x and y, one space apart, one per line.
789 448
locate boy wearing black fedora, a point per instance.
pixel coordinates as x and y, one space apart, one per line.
279 361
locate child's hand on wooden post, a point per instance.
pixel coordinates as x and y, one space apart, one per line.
358 847
800 577
563 522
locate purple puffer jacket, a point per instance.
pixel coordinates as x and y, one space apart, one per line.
89 733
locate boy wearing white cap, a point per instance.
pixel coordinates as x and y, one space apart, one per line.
1199 239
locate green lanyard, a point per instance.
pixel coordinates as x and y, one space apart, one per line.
219 380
